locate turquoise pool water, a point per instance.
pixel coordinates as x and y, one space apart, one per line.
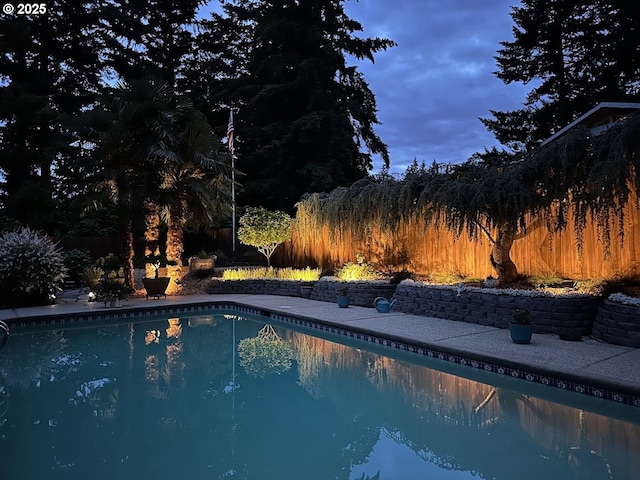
222 395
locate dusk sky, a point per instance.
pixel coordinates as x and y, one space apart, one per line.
435 84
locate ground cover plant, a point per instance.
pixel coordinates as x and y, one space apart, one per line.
305 274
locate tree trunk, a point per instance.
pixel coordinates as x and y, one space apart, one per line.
175 248
152 229
127 251
500 254
151 235
175 232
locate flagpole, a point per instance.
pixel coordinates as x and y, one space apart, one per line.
230 143
233 203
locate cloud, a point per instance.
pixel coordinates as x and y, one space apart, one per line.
435 84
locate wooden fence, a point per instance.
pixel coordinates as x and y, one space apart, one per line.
424 249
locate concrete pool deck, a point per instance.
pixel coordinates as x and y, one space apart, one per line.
613 367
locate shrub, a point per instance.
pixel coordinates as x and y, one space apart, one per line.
76 261
31 267
550 279
361 270
109 289
109 263
91 276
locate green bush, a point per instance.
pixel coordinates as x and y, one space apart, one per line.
31 267
91 276
361 270
110 289
76 261
109 263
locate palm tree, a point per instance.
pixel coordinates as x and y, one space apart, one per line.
195 186
130 127
157 158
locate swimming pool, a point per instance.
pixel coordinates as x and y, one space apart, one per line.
228 394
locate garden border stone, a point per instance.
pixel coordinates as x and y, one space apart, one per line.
618 323
360 293
570 317
287 288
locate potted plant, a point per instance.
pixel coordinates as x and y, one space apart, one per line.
156 286
342 297
110 290
202 261
520 327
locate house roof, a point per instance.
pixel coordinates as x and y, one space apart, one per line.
598 118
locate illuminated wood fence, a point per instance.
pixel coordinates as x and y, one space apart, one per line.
424 249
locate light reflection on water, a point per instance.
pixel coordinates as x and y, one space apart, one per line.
215 396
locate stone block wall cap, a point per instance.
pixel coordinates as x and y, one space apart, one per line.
514 292
624 299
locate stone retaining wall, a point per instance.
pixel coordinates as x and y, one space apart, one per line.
360 293
288 288
569 317
618 323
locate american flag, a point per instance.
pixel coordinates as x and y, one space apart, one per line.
230 132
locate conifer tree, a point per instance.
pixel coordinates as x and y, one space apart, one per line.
575 54
304 117
50 68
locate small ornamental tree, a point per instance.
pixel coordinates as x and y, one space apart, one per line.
264 230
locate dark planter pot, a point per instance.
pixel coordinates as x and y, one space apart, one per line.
343 301
520 333
305 291
156 287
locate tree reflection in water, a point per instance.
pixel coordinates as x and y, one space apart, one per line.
266 354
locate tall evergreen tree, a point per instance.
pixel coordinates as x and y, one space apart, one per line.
305 118
576 54
50 67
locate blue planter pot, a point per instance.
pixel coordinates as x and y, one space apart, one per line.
520 333
343 301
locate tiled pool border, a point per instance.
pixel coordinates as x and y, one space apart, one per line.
541 378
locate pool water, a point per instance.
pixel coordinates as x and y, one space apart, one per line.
222 395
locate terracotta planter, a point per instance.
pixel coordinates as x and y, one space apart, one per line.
156 287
